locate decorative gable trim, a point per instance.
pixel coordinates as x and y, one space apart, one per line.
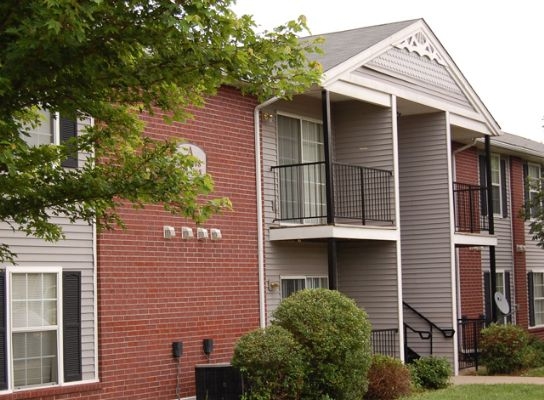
419 43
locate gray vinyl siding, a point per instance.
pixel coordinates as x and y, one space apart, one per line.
534 255
367 272
363 135
286 258
74 253
425 223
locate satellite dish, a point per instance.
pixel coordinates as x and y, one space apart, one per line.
502 303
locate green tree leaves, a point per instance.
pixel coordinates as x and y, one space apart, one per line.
112 60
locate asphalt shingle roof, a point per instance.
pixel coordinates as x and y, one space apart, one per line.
341 46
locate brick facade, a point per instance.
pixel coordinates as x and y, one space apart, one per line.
518 238
154 291
469 260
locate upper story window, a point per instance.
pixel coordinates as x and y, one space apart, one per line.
54 129
533 177
498 185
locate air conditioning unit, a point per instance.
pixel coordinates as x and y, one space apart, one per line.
218 382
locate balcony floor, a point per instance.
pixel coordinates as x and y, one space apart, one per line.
356 232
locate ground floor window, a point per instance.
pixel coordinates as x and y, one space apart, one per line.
40 331
536 298
292 284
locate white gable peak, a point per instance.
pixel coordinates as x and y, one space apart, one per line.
419 43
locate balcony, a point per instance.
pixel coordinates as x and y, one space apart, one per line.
470 221
362 196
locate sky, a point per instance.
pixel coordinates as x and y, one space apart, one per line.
498 45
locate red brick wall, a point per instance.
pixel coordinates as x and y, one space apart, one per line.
153 291
518 236
470 261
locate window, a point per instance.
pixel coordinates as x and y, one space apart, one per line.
498 185
41 327
290 285
536 298
54 129
533 182
302 180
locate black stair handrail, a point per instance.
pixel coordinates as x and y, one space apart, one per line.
446 332
424 335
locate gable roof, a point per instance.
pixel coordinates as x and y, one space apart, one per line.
341 46
346 51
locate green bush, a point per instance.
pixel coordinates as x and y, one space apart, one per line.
430 372
537 347
335 336
505 349
388 379
272 364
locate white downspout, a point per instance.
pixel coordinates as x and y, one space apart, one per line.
260 222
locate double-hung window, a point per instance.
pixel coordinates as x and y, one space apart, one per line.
41 327
54 129
292 284
533 182
498 185
536 298
301 170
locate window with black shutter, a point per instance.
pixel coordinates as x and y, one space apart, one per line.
68 130
71 313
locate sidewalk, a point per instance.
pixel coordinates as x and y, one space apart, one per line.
494 380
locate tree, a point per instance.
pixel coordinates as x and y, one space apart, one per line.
111 60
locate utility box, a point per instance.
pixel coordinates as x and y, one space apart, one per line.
218 382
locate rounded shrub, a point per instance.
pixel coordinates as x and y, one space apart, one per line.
504 348
272 364
335 336
430 372
388 379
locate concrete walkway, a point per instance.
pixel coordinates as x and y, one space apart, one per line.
494 380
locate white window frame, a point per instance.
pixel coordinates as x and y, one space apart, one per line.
10 271
53 128
497 184
301 277
532 190
540 323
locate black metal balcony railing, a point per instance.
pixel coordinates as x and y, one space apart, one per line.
468 208
360 194
384 341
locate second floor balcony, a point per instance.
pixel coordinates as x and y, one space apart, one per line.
361 196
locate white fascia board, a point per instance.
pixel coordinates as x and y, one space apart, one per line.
334 231
465 239
360 93
469 123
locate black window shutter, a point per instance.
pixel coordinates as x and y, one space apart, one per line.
504 197
483 184
68 129
3 338
71 311
487 296
508 293
531 291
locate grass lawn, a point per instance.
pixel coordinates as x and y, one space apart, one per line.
484 392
